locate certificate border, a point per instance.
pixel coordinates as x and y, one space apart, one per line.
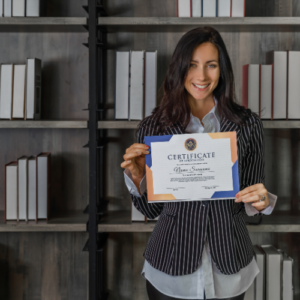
217 195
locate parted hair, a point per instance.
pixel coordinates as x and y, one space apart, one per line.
174 106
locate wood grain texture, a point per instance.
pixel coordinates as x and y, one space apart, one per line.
43 266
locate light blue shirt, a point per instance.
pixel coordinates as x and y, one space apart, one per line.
207 277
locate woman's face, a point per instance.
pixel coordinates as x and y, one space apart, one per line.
203 75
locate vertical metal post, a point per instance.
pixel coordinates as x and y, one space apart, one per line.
93 162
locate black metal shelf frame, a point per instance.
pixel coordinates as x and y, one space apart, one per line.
97 139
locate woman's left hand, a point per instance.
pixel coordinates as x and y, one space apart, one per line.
253 194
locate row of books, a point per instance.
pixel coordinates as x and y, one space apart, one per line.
22 8
20 90
135 84
210 8
27 187
275 279
272 90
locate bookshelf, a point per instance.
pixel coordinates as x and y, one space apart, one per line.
152 25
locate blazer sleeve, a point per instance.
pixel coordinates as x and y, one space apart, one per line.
150 210
253 164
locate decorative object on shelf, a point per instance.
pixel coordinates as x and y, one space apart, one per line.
135 84
27 188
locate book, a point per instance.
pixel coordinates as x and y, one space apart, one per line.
238 8
279 61
18 8
196 8
136 215
150 82
287 277
1 8
184 8
249 295
43 165
137 85
22 188
122 85
33 88
293 89
35 8
266 91
19 85
273 272
251 87
11 182
7 8
209 8
32 197
6 91
259 281
224 8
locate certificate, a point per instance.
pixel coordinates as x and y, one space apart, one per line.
189 167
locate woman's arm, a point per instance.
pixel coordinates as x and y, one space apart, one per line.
253 175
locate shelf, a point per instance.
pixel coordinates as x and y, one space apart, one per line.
40 24
119 221
71 221
118 124
282 124
44 124
158 24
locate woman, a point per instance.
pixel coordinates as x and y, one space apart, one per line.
201 249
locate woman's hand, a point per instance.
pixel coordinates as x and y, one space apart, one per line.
134 160
253 194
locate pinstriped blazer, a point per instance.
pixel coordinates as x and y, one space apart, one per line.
176 243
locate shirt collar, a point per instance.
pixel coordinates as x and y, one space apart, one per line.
212 111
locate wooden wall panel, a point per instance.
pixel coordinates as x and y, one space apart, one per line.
43 266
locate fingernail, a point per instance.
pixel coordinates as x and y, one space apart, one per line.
128 161
244 200
147 146
237 195
147 152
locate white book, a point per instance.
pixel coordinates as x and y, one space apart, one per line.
224 8
287 277
253 88
209 8
196 8
136 103
122 85
22 188
19 91
293 84
183 8
1 8
135 214
238 8
33 8
249 295
6 91
33 88
266 91
259 281
279 59
42 185
273 272
18 8
11 191
7 8
150 82
32 188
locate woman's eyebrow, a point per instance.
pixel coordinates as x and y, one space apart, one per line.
196 61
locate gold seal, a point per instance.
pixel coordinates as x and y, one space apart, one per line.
190 144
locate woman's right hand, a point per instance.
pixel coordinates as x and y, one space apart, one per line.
134 160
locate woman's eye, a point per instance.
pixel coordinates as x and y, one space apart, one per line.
213 66
192 65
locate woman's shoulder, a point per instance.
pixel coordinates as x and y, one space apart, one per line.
148 125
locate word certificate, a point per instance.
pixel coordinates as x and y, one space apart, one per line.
188 167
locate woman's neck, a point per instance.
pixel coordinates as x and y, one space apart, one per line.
200 108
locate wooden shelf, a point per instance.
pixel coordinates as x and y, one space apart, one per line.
44 124
134 124
158 24
71 221
119 221
39 24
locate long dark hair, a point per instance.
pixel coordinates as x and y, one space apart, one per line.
174 106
